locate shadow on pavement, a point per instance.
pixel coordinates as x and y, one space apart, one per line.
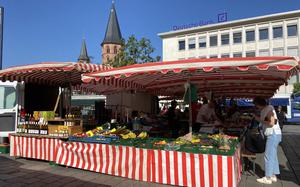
12 174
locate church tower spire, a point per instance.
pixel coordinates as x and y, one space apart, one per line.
113 38
83 57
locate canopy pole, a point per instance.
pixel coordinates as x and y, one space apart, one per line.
190 110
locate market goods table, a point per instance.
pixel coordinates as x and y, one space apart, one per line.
151 165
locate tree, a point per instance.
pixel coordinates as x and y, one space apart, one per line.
296 87
135 52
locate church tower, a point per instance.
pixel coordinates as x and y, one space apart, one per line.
83 57
113 38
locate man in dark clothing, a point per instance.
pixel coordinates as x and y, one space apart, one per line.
172 119
281 116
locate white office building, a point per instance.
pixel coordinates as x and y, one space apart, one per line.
269 35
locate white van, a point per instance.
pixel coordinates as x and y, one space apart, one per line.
11 101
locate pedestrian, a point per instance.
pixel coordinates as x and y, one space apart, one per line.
281 116
270 123
173 119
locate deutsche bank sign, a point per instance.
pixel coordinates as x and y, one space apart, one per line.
222 17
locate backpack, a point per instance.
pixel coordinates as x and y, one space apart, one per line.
255 140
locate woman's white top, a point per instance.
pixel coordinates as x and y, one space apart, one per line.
275 129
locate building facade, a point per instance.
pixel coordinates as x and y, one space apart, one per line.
269 35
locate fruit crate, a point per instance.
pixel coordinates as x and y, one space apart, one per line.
4 148
94 139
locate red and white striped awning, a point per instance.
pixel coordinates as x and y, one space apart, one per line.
50 73
238 77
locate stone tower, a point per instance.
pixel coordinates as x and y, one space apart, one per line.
83 57
113 38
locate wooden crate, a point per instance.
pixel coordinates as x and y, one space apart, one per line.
74 129
53 129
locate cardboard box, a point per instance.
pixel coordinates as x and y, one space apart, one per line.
74 129
56 129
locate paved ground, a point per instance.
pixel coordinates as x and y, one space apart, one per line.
23 172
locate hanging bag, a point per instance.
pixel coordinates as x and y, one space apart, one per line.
255 140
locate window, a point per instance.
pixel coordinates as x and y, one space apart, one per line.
250 36
278 52
202 42
263 34
115 50
213 41
237 37
181 45
7 97
213 56
107 59
225 39
202 57
250 54
191 57
292 51
192 43
107 50
236 55
225 55
264 52
277 32
292 30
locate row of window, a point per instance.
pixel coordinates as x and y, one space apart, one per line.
292 51
292 30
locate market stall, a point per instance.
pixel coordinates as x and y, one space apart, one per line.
192 160
37 90
234 77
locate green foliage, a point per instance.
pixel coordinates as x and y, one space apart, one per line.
296 87
135 52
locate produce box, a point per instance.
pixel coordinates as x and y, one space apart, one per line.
4 148
74 129
55 129
94 139
47 115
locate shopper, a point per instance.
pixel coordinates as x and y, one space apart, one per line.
173 119
281 116
272 132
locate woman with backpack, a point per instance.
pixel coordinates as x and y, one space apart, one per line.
272 132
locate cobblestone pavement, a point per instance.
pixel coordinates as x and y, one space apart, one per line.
26 172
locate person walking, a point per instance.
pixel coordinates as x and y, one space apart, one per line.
272 132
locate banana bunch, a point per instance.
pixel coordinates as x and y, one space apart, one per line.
89 133
129 135
99 128
143 135
195 141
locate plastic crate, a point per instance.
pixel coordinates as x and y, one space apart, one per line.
94 139
4 148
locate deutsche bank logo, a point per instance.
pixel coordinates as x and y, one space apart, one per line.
222 17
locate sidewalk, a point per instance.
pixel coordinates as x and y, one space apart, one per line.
23 172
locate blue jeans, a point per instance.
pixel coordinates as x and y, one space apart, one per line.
271 159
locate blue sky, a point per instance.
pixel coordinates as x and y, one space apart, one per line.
52 30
